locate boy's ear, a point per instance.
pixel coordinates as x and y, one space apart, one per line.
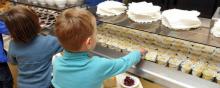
88 42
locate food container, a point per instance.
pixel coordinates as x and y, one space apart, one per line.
130 82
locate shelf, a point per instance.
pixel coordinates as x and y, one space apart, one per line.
199 35
170 78
25 2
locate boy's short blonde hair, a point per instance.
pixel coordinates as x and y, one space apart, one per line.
73 27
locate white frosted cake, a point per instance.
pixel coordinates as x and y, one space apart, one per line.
216 29
143 12
181 19
151 56
110 8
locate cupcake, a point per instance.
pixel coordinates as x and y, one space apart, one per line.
208 74
198 68
151 56
186 66
163 59
174 62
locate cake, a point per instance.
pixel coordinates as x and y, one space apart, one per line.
143 12
216 29
110 8
180 19
186 66
174 62
198 68
163 59
212 66
151 56
208 74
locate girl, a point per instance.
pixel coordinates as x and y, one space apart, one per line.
29 50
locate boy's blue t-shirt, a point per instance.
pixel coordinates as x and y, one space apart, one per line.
79 70
3 30
33 60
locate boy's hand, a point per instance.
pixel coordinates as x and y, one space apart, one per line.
143 52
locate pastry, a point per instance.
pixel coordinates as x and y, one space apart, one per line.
198 68
151 56
180 19
174 62
110 8
186 66
212 66
208 74
143 12
163 59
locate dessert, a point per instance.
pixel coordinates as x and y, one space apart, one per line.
128 81
180 19
143 12
198 68
186 66
163 59
174 62
208 74
212 66
110 8
151 56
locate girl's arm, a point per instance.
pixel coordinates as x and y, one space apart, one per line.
14 72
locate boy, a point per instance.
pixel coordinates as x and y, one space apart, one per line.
76 31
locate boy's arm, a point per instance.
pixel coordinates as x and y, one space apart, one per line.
120 65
